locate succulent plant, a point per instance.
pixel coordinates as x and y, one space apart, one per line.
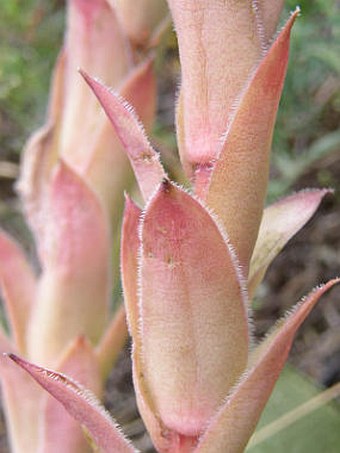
191 259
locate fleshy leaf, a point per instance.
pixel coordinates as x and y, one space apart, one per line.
94 39
162 438
21 400
234 423
107 167
219 46
74 290
240 176
140 90
141 18
268 15
144 159
280 222
60 431
130 245
18 286
6 344
40 155
38 159
81 404
112 342
192 303
129 250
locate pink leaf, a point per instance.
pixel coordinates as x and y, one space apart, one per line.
5 342
141 18
129 250
40 155
144 159
234 423
59 430
21 401
219 46
18 286
82 406
94 40
268 13
162 437
239 178
130 245
106 166
140 90
192 303
112 342
74 290
280 222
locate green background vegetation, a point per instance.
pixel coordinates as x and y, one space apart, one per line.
30 38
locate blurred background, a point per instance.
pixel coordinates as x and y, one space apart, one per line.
306 153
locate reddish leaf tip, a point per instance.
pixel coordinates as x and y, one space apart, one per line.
293 15
85 75
297 11
13 357
63 167
129 201
166 186
92 82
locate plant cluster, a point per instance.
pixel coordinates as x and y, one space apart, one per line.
190 259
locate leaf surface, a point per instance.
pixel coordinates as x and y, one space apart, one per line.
81 404
21 399
280 222
219 47
234 423
74 290
18 286
59 430
239 179
144 159
192 302
268 14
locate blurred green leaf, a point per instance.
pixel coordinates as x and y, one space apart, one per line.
317 432
309 109
30 37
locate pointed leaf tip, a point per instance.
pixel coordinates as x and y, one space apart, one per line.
280 222
140 89
88 24
144 159
234 423
81 405
239 179
21 397
166 185
76 268
79 362
218 46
